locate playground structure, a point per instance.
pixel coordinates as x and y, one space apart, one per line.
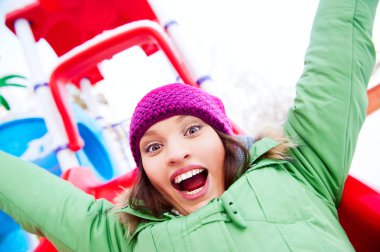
79 138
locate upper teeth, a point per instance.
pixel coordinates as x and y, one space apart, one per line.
186 175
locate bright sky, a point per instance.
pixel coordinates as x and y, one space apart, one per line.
265 40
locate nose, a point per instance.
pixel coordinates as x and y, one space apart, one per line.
177 151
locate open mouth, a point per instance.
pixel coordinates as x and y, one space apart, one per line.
191 182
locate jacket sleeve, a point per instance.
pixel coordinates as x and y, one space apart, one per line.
46 205
331 101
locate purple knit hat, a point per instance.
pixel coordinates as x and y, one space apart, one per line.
175 99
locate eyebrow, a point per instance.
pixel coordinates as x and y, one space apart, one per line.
180 118
152 132
148 133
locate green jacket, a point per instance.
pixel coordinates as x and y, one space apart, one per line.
275 206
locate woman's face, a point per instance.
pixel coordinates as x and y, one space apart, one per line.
183 158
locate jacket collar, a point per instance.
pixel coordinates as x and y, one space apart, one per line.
145 215
261 147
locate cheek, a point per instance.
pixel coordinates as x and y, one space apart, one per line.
219 160
212 151
154 173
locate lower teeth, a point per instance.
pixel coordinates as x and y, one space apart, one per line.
194 191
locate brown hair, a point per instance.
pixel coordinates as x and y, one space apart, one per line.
142 196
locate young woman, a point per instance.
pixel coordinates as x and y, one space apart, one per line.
202 189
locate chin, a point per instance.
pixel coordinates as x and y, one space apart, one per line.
188 209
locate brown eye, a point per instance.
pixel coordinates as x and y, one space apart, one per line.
193 129
152 148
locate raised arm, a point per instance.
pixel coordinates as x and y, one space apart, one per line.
47 205
330 104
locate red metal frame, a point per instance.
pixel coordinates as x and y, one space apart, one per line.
359 215
373 99
137 33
